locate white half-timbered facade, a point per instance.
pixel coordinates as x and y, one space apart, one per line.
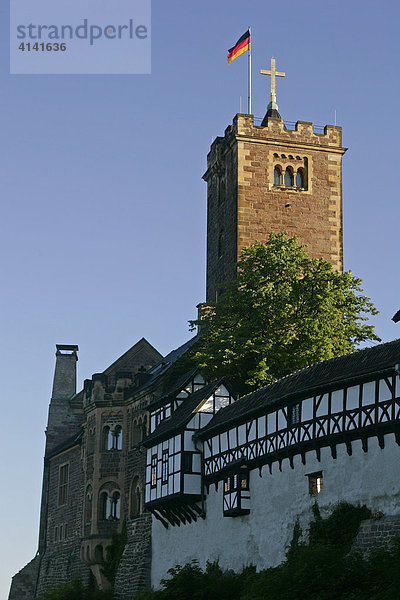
167 405
174 489
329 432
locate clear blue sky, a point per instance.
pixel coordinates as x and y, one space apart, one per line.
103 209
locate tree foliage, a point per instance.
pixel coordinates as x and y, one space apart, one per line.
114 553
75 590
283 312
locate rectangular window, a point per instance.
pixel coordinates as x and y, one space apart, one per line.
187 462
236 499
63 478
164 469
154 470
294 415
315 483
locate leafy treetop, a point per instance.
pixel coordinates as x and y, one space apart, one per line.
284 311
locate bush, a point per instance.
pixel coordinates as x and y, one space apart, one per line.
319 568
74 590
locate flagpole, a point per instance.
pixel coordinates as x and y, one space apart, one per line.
249 103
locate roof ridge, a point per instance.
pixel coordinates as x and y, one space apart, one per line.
326 360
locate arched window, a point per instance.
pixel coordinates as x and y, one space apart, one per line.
221 190
277 176
136 498
88 504
300 178
103 506
107 438
221 243
115 506
136 433
144 428
288 177
117 438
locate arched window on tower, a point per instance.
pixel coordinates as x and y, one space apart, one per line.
115 506
136 497
103 506
107 438
88 504
300 180
289 177
221 190
277 176
117 438
221 243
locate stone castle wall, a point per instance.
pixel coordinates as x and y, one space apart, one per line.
134 572
61 560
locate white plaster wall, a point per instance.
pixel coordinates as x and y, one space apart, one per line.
277 499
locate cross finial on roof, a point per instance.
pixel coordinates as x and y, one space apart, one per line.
272 106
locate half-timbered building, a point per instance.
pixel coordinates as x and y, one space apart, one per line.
329 432
174 490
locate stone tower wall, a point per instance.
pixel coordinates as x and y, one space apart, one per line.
252 206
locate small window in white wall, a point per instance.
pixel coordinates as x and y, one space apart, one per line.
236 498
315 483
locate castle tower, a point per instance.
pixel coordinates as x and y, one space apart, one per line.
271 178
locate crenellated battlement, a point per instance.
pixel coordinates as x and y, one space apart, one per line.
276 132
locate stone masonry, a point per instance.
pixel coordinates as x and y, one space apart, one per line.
245 204
375 534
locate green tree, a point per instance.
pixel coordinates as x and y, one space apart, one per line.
114 553
283 312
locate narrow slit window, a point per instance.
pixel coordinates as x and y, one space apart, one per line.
154 470
63 484
164 469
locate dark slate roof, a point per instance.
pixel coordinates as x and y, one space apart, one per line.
183 413
165 363
329 374
396 317
178 386
72 441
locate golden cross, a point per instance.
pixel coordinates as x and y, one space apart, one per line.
274 73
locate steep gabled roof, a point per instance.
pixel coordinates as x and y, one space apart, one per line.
329 374
173 391
162 366
182 415
124 361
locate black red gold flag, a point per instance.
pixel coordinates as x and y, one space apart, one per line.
241 46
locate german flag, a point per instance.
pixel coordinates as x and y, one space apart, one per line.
242 45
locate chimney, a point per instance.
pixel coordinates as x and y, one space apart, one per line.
64 383
63 420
